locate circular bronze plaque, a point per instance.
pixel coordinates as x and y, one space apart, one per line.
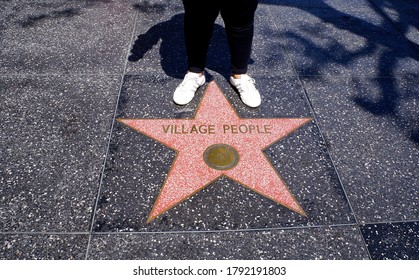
221 157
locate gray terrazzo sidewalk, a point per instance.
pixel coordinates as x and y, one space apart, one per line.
76 184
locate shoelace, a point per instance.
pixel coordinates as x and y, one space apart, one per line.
247 83
186 81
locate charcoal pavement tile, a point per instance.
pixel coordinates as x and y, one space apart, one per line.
392 241
336 4
332 42
158 44
400 5
43 246
268 53
159 47
54 133
371 129
407 22
297 244
77 37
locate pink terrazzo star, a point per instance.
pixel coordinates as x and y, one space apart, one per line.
216 122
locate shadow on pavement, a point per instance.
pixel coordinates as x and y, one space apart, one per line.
388 55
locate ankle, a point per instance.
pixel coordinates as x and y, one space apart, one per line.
239 76
199 73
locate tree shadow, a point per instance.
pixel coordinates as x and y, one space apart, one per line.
385 52
148 7
403 15
58 10
379 49
65 13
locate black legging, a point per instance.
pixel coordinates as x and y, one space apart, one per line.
238 16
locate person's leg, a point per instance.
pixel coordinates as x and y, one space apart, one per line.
198 27
238 16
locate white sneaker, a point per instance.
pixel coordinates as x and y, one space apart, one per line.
185 92
247 90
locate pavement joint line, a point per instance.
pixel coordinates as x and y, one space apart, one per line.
225 230
261 74
388 222
255 74
92 220
57 75
364 241
204 231
397 76
350 226
43 233
316 122
319 7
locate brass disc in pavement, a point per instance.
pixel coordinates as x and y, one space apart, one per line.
221 157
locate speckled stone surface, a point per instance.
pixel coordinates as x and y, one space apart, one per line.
392 241
298 244
53 141
338 4
371 129
268 54
401 5
329 41
405 20
76 184
78 37
160 47
43 246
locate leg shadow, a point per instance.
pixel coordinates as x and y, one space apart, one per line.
172 51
